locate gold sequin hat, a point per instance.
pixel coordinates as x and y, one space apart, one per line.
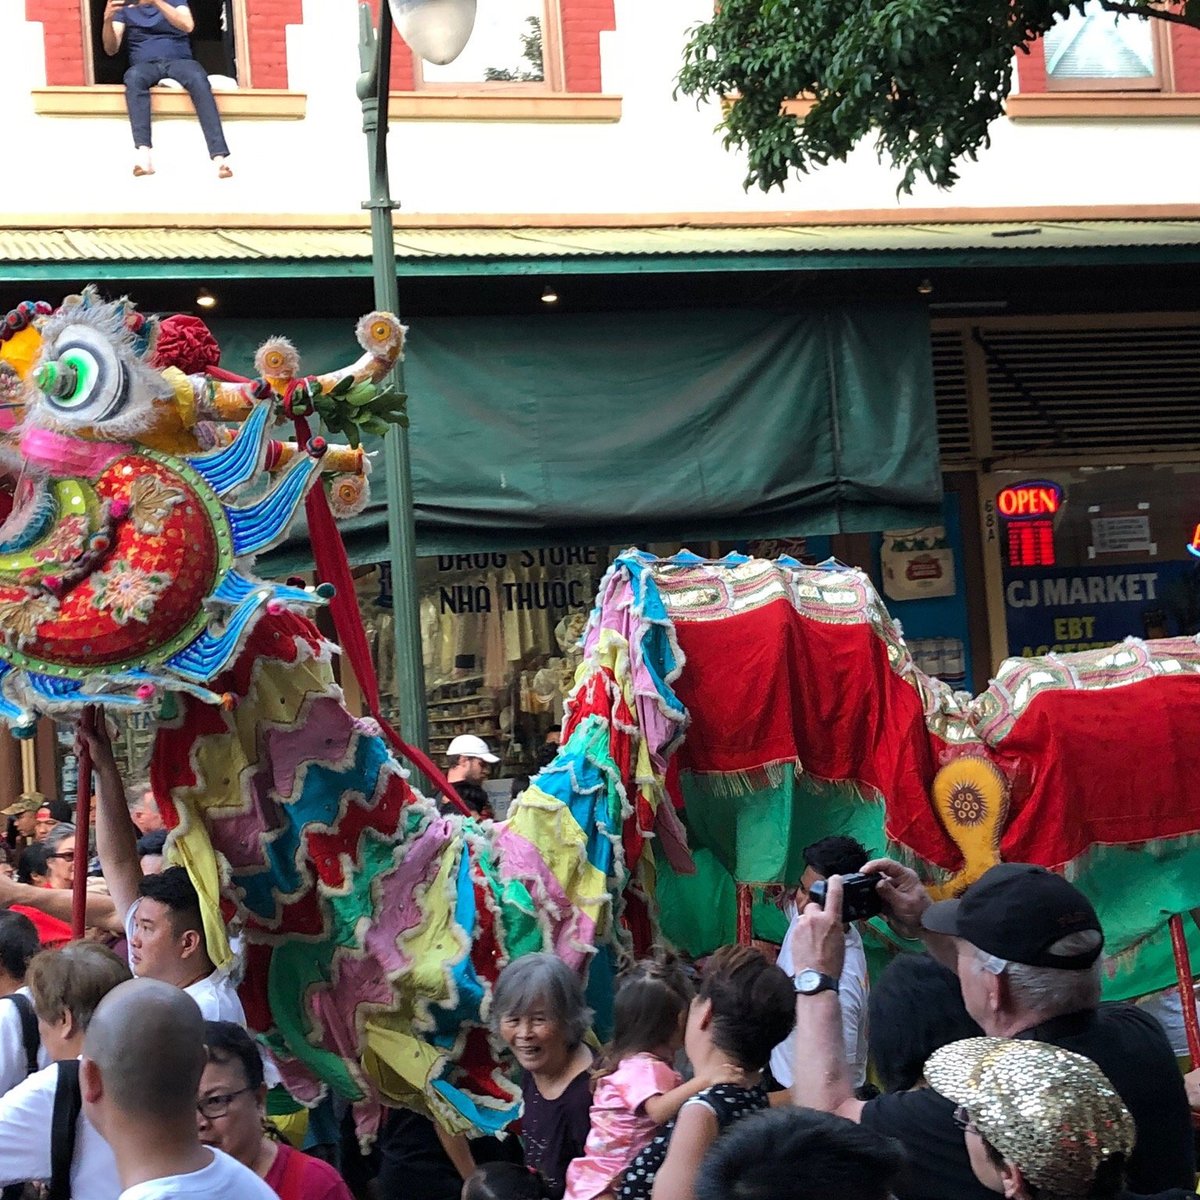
1051 1113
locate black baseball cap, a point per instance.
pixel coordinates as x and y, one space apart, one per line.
1017 911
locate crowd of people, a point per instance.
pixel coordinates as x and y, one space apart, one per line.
985 1066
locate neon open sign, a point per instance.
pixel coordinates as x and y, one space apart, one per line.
1036 499
1194 548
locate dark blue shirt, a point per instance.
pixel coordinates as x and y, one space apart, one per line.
150 36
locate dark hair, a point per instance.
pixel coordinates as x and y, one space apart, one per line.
227 1041
174 888
546 753
18 943
35 860
506 1181
836 855
800 1154
152 843
915 1008
60 810
651 997
473 796
753 1004
519 784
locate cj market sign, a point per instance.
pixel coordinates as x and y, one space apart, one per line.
1060 612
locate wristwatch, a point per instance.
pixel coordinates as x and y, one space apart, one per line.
809 983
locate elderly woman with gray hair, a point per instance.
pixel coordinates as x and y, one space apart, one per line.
60 856
539 1009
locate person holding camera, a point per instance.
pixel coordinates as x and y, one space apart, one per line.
158 35
836 855
1026 946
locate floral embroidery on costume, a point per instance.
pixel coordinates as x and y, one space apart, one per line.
65 542
126 593
151 502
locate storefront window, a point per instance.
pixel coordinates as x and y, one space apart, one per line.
1114 562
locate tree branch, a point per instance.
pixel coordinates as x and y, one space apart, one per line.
1153 11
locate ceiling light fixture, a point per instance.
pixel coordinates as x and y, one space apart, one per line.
205 299
549 295
925 287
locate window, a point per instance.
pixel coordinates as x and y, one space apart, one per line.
216 42
515 46
1098 65
1095 50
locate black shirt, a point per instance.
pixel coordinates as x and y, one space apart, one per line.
728 1102
1130 1047
938 1166
554 1131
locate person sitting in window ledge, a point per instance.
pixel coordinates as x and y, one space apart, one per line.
159 48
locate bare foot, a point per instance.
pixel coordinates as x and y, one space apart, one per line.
224 170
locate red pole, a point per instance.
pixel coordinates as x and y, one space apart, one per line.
1183 969
83 821
745 914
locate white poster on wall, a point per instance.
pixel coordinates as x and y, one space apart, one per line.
917 563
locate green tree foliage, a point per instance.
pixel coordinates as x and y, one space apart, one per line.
927 77
531 52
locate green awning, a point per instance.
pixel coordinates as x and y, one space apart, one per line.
670 426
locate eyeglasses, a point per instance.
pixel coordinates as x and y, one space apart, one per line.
66 855
213 1107
962 1119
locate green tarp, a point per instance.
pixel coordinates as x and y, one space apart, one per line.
617 428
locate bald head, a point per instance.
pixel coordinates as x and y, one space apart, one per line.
144 1052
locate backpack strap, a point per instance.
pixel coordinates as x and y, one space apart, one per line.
68 1101
29 1030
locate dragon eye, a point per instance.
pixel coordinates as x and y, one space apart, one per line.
85 378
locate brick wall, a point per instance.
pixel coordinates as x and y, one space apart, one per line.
266 27
582 23
1185 54
63 24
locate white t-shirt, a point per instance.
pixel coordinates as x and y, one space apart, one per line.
853 989
223 1179
215 993
26 1118
12 1044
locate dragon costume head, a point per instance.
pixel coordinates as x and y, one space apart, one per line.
138 496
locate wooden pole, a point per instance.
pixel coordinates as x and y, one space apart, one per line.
83 821
1183 969
745 914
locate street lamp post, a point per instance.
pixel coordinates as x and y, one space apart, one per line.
437 30
375 55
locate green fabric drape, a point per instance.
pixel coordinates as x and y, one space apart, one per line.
623 427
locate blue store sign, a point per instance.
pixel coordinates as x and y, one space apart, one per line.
1062 610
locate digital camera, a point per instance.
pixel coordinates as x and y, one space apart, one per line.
860 900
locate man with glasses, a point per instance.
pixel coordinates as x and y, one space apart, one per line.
140 1075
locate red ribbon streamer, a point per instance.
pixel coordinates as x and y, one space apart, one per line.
329 555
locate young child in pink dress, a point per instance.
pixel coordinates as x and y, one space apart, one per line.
636 1089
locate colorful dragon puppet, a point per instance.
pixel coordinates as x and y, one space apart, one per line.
373 925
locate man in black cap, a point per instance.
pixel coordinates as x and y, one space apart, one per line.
1026 945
